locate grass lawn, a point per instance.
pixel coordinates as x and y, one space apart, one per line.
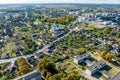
71 67
62 26
112 72
80 67
3 65
10 52
117 67
10 47
104 78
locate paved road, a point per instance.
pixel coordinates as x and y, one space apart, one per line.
38 51
25 56
26 14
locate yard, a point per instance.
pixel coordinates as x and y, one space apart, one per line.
69 65
97 56
9 48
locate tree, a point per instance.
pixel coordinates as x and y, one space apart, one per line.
4 78
82 50
107 30
107 56
0 74
44 72
58 76
42 64
117 59
118 35
74 75
23 66
108 47
102 54
45 65
48 75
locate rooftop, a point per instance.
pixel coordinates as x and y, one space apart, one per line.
97 65
83 56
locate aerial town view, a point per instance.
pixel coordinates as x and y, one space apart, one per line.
59 40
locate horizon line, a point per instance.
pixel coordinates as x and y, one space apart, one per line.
61 3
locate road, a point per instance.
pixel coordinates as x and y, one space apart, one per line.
37 51
25 56
26 14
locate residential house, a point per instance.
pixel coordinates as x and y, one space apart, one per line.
34 36
12 66
38 56
8 31
35 23
79 59
81 19
56 31
55 27
7 56
47 50
18 53
107 22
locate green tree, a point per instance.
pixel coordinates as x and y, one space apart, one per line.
45 65
23 66
109 57
82 50
48 75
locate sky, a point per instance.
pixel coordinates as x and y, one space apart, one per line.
60 1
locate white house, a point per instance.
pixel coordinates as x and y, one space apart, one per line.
81 19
